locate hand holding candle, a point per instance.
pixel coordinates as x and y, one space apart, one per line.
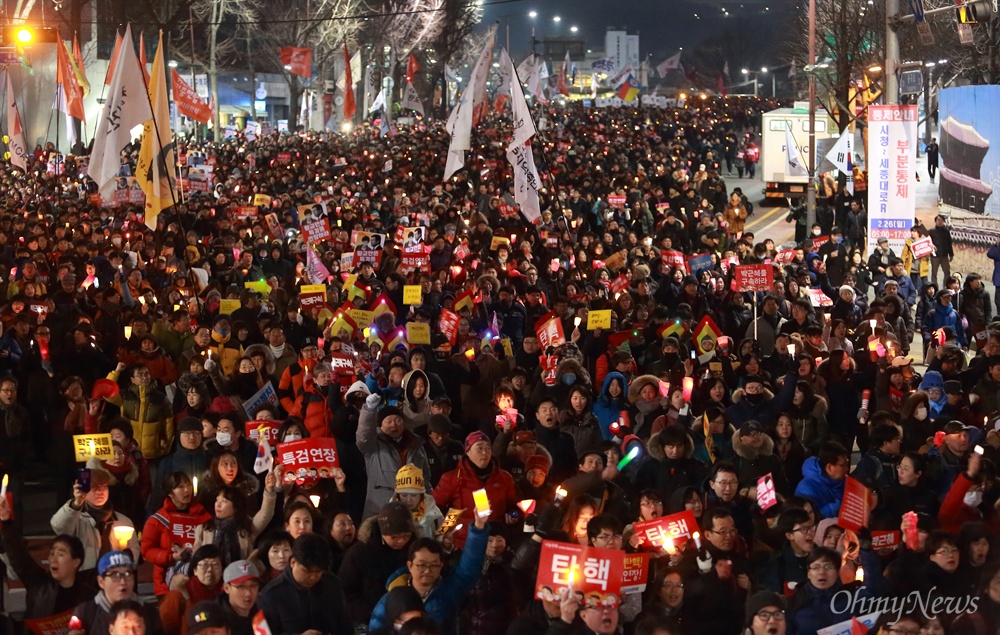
482 503
3 486
688 388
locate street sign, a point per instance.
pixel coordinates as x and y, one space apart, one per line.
926 35
965 33
911 82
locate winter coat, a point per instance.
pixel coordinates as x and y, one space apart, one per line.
416 412
644 413
582 427
876 469
226 352
447 596
157 539
430 516
79 523
923 264
455 489
289 608
290 385
723 444
751 464
975 306
783 568
994 255
809 424
490 606
384 457
607 409
149 412
824 492
767 410
941 316
205 536
367 565
667 475
317 408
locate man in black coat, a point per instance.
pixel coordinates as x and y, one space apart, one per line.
306 598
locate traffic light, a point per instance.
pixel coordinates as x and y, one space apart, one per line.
26 35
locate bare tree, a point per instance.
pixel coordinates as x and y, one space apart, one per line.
978 63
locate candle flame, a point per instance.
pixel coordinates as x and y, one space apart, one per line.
860 575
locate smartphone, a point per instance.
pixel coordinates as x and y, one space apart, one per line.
83 478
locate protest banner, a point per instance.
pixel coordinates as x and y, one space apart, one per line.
616 201
818 298
599 319
412 294
753 278
308 459
766 496
672 258
88 445
635 573
265 395
923 247
418 333
311 295
255 427
855 507
182 528
449 324
550 332
699 263
228 307
886 542
55 625
678 527
593 575
367 248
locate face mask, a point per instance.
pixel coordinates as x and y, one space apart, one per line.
920 414
838 240
816 232
973 498
569 378
292 436
754 399
224 438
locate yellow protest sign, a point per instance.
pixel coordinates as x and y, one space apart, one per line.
508 347
261 200
88 445
499 241
259 286
418 333
228 307
361 317
411 294
599 320
450 520
308 289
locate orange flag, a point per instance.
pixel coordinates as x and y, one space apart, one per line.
71 89
81 73
349 106
189 104
411 68
114 59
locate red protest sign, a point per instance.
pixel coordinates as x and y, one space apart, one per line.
885 542
182 529
317 230
417 259
308 459
246 212
616 201
269 428
55 625
449 324
619 284
819 241
672 258
753 278
766 496
284 157
855 507
678 527
922 247
635 573
818 298
594 575
550 333
784 256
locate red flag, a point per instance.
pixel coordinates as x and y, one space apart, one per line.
722 85
561 85
411 68
858 627
349 106
71 89
142 60
189 104
114 59
298 60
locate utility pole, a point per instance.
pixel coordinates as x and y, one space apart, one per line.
811 186
891 92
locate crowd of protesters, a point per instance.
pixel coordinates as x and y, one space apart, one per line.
111 327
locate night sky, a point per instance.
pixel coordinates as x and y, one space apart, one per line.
662 25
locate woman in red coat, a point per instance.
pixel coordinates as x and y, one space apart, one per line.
964 500
478 470
179 509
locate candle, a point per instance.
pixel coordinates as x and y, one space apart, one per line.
872 324
668 545
470 354
724 342
978 450
697 540
560 494
3 486
527 505
576 321
128 332
859 575
194 485
314 499
688 388
791 350
482 502
873 345
122 535
569 580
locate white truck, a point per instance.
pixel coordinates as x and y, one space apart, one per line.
778 184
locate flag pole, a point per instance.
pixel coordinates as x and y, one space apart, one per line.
159 141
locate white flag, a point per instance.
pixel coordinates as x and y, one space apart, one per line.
672 63
621 77
459 124
264 461
527 67
126 106
355 72
526 181
379 102
18 151
411 100
842 156
725 69
543 69
792 157
371 91
535 86
524 127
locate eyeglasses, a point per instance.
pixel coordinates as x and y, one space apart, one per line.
118 576
945 551
777 616
822 567
670 586
206 565
728 533
425 568
808 529
648 503
726 483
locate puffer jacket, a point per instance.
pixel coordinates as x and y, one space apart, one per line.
157 539
367 565
447 596
941 316
149 412
668 475
416 412
384 457
722 443
226 352
606 408
767 409
317 408
455 489
751 464
491 604
809 424
824 492
79 523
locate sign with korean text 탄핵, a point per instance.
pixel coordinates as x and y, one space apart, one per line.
892 200
677 527
593 575
308 459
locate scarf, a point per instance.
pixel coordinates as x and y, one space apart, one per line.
277 351
104 517
11 422
227 539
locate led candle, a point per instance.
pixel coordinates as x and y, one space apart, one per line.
3 486
122 535
194 484
791 350
978 450
872 324
697 540
314 499
668 545
688 388
859 575
527 505
560 494
576 321
128 332
482 502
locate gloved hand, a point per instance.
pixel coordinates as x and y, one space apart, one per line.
373 401
210 365
705 562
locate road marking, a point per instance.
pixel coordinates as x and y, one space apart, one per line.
757 221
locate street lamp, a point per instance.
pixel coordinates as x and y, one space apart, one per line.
573 29
748 73
533 14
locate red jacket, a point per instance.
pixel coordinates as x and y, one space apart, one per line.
290 385
157 540
315 408
455 488
954 512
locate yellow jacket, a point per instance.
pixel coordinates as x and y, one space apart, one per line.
151 417
907 258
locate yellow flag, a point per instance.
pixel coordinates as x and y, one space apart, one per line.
155 167
76 59
709 441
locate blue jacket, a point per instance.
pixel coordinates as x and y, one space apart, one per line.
448 596
824 492
906 289
810 609
994 254
940 317
767 410
606 409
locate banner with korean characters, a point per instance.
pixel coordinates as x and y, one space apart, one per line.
92 445
182 528
593 575
818 298
923 247
254 428
635 572
655 533
311 295
55 625
892 192
306 460
753 278
672 258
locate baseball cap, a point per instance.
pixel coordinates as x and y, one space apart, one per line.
953 387
114 559
204 615
751 426
189 424
524 436
240 571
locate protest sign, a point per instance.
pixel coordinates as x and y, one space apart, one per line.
635 573
418 333
54 625
88 445
412 294
182 528
593 575
697 264
855 507
265 395
616 201
672 258
922 247
450 521
449 324
678 527
228 307
766 497
261 200
308 459
599 319
818 298
753 278
550 332
254 428
886 542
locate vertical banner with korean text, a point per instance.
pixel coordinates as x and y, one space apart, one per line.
892 202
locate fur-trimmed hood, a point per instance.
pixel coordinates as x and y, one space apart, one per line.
819 409
571 365
738 395
750 454
262 349
655 450
635 388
